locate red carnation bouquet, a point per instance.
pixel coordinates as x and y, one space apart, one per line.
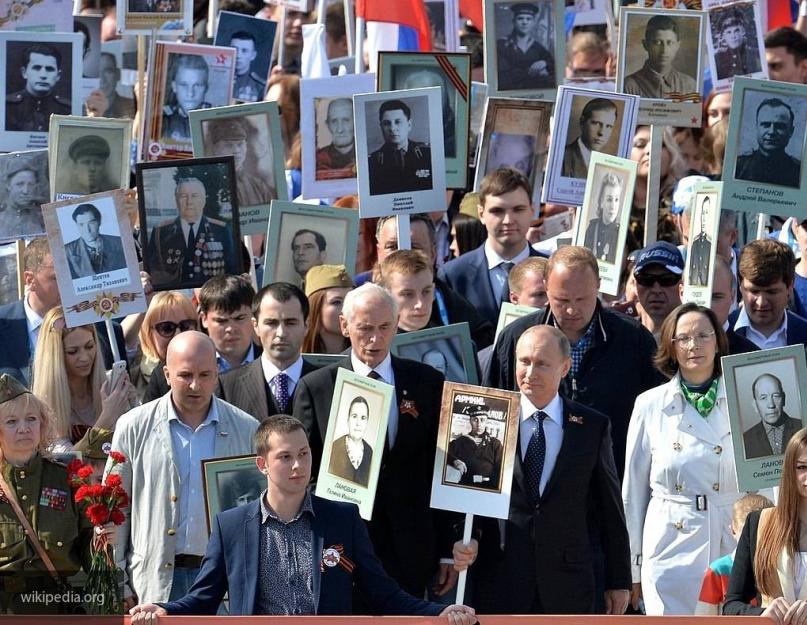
102 504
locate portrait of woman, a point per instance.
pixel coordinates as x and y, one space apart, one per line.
351 455
602 233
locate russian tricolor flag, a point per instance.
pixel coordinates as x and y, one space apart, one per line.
782 13
398 25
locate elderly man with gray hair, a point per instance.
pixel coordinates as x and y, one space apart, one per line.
404 529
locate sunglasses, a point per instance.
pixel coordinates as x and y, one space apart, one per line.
167 329
664 280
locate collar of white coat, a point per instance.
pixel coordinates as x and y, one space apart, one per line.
673 399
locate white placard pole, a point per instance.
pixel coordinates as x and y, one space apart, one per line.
358 49
466 539
252 275
404 232
113 343
653 184
281 36
20 268
761 219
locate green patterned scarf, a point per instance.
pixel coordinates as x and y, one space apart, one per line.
702 402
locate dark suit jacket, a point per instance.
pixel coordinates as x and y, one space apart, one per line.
78 259
756 442
340 462
574 165
245 388
546 546
404 529
739 344
796 328
231 564
699 265
742 583
468 276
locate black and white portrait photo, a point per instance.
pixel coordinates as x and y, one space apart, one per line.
335 139
436 10
98 248
90 158
525 45
770 434
239 487
447 354
23 189
119 97
591 131
771 144
700 249
189 215
602 231
351 454
733 32
252 38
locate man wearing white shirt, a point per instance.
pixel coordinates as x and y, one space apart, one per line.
564 479
266 386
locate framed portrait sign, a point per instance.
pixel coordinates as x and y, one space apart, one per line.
476 450
603 222
399 135
666 42
479 98
89 26
327 134
253 39
37 15
524 56
24 189
301 236
444 19
9 278
735 41
94 257
143 17
230 482
118 78
183 77
452 73
447 348
592 12
31 97
514 134
508 313
704 226
323 360
88 155
189 224
765 392
251 133
586 121
765 149
354 442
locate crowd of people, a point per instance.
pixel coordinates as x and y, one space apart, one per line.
625 495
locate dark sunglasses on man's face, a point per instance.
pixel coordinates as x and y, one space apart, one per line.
167 329
665 280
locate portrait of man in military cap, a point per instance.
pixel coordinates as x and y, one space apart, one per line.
23 190
188 91
400 164
92 253
524 56
337 159
734 42
249 86
88 172
40 65
475 453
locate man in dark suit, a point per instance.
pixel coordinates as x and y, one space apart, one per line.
770 436
480 276
541 561
244 559
404 529
266 386
92 253
597 121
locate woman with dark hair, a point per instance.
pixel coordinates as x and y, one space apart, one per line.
351 455
680 482
771 560
467 233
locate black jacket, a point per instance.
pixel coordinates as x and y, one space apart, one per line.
742 583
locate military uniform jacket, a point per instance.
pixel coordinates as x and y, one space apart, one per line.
249 87
650 84
397 171
602 239
25 112
781 169
21 222
484 459
176 125
514 65
333 164
699 265
736 62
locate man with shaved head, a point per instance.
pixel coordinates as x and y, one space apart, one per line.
161 543
770 436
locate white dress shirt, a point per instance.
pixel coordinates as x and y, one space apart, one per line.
384 369
553 430
777 339
270 372
497 273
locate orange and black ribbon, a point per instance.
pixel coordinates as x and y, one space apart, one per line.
453 75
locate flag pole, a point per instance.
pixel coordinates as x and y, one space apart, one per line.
359 47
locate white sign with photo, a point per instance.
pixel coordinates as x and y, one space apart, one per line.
736 41
704 227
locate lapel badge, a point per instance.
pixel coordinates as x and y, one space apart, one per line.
331 557
408 407
224 433
575 419
677 446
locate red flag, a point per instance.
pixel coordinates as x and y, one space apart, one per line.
472 10
411 13
779 14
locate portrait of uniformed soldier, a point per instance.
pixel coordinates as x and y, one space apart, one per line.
235 135
88 171
248 86
701 248
602 232
476 454
426 77
597 122
522 61
734 55
191 248
92 252
772 433
400 164
338 159
769 162
307 250
511 150
658 77
351 455
117 106
21 208
30 108
187 93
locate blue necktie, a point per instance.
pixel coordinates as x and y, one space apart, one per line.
536 456
282 391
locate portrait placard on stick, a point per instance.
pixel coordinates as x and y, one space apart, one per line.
399 136
448 349
476 447
354 442
765 149
94 258
37 15
704 226
229 483
736 43
143 17
603 222
444 19
253 39
251 133
765 392
23 191
586 121
479 98
508 313
667 43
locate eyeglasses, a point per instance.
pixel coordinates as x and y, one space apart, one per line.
167 329
684 340
665 280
